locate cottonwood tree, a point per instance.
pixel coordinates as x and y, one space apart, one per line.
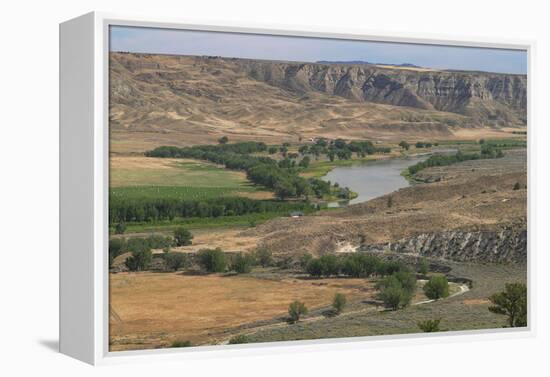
212 260
183 237
437 287
512 303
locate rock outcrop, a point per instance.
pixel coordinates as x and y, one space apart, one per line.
505 245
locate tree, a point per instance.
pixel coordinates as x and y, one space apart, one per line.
430 325
331 155
272 150
305 259
481 141
284 189
403 144
264 257
325 265
116 247
389 267
295 310
314 267
390 201
517 186
140 260
305 162
512 303
175 261
360 265
397 289
392 293
339 302
182 237
223 140
423 266
407 280
212 260
243 263
120 228
437 287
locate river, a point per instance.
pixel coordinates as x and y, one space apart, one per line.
371 179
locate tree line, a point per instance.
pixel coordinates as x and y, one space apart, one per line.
342 150
487 151
122 210
358 265
282 177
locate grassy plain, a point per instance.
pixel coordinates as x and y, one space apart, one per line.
468 311
154 309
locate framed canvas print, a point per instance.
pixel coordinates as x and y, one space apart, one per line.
233 189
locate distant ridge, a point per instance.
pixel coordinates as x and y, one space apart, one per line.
410 65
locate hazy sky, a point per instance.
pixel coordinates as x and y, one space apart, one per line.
253 46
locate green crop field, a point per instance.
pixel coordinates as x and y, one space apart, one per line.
143 177
173 192
250 220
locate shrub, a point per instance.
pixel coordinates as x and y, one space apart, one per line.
264 257
120 228
517 186
403 144
181 343
175 261
431 325
437 287
285 263
512 303
239 339
295 310
423 266
223 140
243 263
182 237
339 302
212 260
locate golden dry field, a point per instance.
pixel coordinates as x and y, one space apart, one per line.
150 310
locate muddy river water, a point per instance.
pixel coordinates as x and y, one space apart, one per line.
372 179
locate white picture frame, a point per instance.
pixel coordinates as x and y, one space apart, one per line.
84 308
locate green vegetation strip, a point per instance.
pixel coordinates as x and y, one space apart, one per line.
487 151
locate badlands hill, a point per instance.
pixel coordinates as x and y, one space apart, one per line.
181 100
